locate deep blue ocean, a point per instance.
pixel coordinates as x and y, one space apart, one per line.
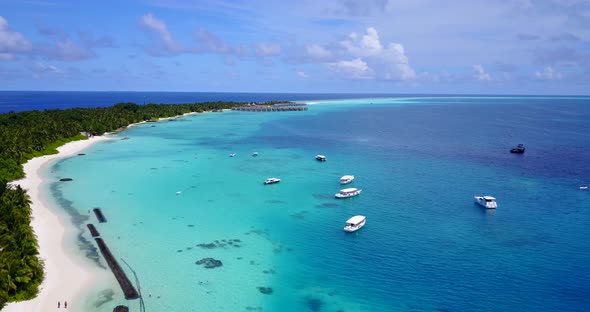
40 100
419 160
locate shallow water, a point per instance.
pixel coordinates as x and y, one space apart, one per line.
419 161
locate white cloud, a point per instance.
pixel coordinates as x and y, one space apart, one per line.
390 61
68 50
395 63
548 73
267 49
12 41
302 74
41 70
356 68
151 24
366 45
211 43
317 52
481 74
7 57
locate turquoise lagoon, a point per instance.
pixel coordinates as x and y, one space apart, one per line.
419 161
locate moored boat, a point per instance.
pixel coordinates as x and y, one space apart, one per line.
232 154
272 180
486 201
346 179
320 157
348 192
355 223
254 154
519 149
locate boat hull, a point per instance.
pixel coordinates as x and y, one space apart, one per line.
488 205
351 229
340 195
346 180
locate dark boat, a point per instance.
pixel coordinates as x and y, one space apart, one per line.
519 149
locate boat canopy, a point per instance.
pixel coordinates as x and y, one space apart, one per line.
348 190
489 198
356 220
347 177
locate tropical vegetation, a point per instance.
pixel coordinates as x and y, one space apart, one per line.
25 135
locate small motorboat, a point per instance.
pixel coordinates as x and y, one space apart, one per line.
272 181
232 155
519 149
486 201
355 223
348 192
346 179
254 154
179 192
583 187
320 157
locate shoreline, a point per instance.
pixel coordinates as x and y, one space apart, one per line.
67 275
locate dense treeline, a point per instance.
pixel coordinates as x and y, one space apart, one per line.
25 135
21 270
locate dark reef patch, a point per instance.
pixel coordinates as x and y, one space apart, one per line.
224 243
300 215
265 290
313 304
274 201
79 220
327 205
207 246
209 263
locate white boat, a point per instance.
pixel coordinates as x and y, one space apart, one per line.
348 192
355 223
320 157
272 180
232 154
346 179
486 201
254 154
583 187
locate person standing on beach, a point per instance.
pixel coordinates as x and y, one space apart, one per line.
65 304
58 303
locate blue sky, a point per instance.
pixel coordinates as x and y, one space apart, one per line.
370 46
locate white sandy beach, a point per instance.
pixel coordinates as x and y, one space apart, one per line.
66 275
